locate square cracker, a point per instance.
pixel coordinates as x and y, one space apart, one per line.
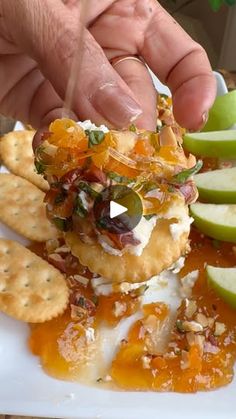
17 155
22 208
31 290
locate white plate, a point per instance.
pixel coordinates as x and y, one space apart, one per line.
26 390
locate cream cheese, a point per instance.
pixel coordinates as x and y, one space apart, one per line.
142 232
90 126
103 286
183 226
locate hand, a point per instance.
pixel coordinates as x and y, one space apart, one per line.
38 41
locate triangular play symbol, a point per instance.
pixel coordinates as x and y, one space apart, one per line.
116 209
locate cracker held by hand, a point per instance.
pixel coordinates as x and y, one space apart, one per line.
31 290
17 155
22 208
159 254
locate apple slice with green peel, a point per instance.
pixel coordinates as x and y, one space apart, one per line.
212 144
223 281
222 115
217 186
216 221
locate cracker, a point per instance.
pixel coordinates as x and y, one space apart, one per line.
22 208
159 254
17 155
31 290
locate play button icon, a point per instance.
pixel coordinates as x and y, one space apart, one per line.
117 209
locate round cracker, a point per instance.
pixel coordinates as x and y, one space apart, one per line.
159 254
31 290
17 155
22 208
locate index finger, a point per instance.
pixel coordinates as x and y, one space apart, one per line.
182 64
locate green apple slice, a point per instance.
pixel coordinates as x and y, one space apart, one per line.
223 281
212 144
223 113
217 186
216 221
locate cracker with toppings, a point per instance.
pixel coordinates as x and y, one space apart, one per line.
22 208
17 155
31 290
159 254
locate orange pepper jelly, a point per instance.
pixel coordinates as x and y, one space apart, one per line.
194 351
201 349
69 346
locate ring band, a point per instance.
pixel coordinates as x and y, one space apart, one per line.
118 60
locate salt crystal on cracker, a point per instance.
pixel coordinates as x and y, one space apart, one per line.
22 208
17 155
31 290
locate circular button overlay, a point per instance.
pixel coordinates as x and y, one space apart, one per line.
118 209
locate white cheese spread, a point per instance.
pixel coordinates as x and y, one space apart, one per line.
90 126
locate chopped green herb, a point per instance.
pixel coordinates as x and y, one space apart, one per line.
79 208
185 174
87 188
99 380
150 186
164 96
132 128
179 326
101 223
63 224
149 216
95 137
171 188
95 300
119 179
60 198
40 168
81 302
141 290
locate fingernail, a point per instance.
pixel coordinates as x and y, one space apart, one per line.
203 122
116 106
205 117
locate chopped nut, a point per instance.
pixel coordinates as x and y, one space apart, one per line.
89 333
82 279
51 245
107 378
192 326
190 336
210 322
194 339
220 328
150 323
78 313
188 282
55 257
191 308
62 249
146 362
184 363
119 308
202 319
179 326
170 355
